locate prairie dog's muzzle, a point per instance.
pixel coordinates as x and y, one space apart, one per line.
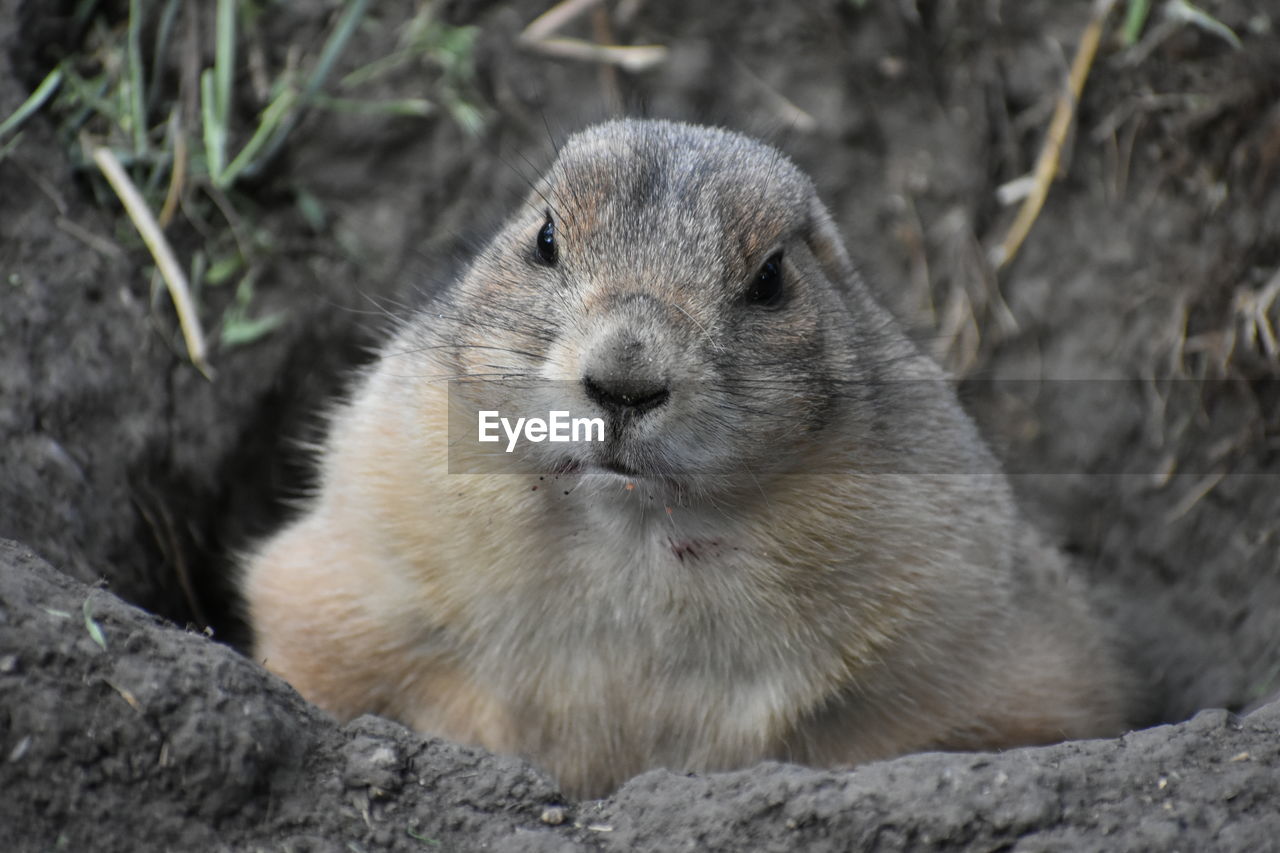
627 364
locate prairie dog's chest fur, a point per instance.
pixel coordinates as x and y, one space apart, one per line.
590 579
620 607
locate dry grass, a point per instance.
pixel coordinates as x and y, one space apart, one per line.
177 156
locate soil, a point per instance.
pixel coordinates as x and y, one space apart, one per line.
1113 364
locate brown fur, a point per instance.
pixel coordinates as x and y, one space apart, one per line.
816 559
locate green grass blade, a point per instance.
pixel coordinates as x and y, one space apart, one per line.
89 95
137 95
7 148
27 108
1181 10
273 117
1134 20
91 625
239 331
375 69
333 49
215 133
419 107
238 328
164 30
224 58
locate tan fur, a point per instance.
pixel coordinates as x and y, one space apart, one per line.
837 580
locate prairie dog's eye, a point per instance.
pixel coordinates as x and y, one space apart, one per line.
545 244
766 288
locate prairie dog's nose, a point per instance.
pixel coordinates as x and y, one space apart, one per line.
624 373
621 394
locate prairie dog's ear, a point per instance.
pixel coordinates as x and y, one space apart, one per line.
824 241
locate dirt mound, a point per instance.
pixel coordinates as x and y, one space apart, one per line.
125 733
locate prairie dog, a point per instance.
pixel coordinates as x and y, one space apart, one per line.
791 544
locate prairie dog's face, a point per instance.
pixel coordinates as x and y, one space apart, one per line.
666 279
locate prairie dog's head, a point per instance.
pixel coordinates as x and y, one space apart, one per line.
682 283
